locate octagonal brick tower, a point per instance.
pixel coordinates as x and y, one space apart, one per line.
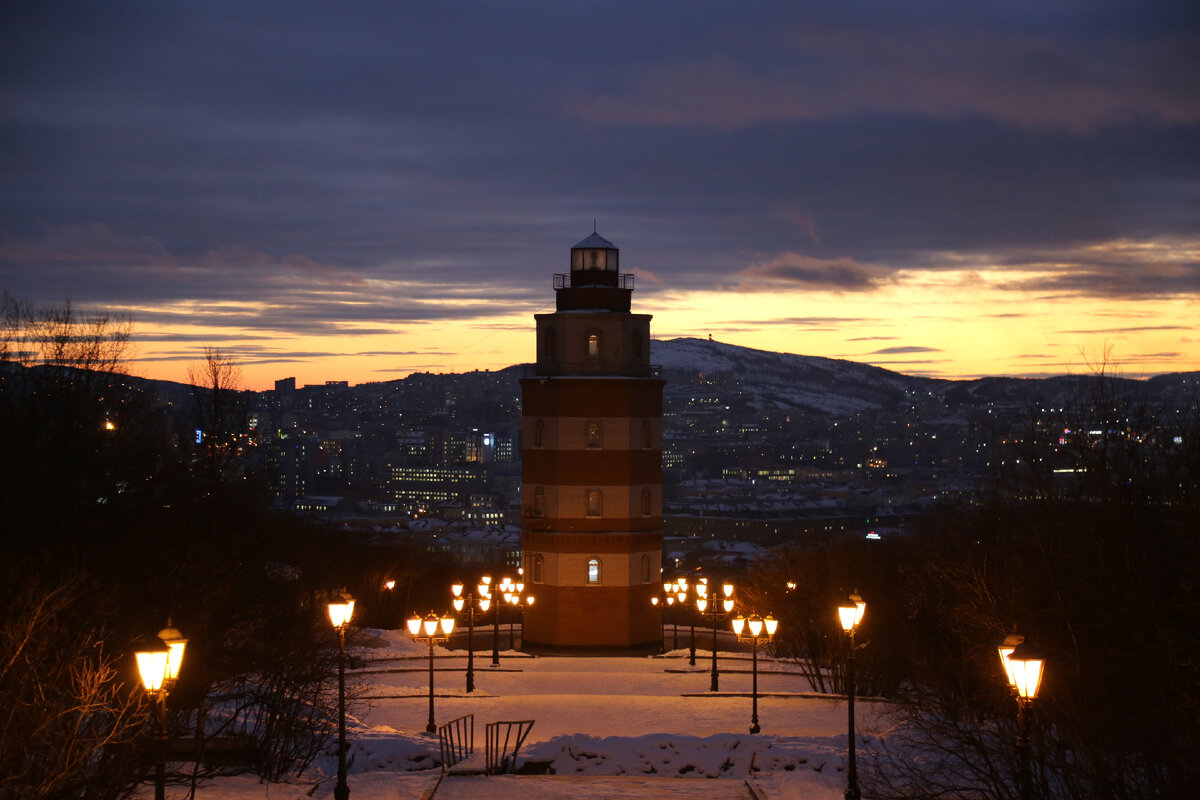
591 475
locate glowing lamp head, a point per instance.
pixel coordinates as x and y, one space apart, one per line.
1006 647
152 667
847 616
447 625
727 589
456 589
739 624
728 603
414 625
341 610
176 642
861 607
459 602
701 604
1027 661
771 624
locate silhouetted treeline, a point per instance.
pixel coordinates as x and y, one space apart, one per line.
115 521
1097 563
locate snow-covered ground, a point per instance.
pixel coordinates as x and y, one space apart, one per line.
651 721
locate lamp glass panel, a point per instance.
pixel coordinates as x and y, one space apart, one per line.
847 615
739 623
755 625
772 624
152 667
447 625
728 603
175 658
456 589
430 624
1005 650
1027 675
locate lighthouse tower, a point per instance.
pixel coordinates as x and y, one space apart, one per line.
591 477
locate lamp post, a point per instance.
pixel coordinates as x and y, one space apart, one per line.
850 617
484 601
709 607
431 630
1023 663
756 630
158 667
505 585
681 589
341 610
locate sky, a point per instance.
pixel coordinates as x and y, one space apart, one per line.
357 191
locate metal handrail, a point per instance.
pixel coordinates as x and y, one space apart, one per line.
562 280
457 740
499 758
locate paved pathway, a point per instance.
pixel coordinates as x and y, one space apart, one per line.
552 787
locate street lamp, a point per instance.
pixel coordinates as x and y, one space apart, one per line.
158 666
341 609
755 630
1023 663
431 630
714 612
850 617
484 601
516 598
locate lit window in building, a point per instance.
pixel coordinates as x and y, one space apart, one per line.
594 502
593 435
593 571
593 345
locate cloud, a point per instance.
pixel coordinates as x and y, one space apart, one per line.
903 349
801 271
1030 79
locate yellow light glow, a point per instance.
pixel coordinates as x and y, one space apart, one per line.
152 667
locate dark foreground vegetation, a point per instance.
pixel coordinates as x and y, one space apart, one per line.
1100 567
115 520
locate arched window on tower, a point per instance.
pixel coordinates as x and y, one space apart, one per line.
539 569
593 571
539 433
647 504
647 435
539 502
593 435
594 502
593 345
645 568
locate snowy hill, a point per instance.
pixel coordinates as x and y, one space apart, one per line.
787 381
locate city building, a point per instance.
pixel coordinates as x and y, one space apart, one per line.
591 483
